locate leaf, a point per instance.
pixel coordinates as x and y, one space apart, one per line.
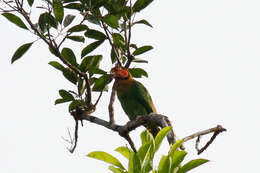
116 170
113 56
61 100
143 151
139 60
77 38
146 137
175 146
118 40
91 33
134 165
177 158
81 86
74 104
46 21
15 19
143 22
90 61
30 2
21 51
68 19
192 164
58 10
56 65
160 136
111 20
141 4
96 70
78 28
92 19
54 51
70 75
89 48
75 6
103 156
101 82
124 151
164 165
66 95
138 72
142 50
68 54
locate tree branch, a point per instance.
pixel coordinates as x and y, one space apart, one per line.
216 130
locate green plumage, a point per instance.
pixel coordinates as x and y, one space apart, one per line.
135 100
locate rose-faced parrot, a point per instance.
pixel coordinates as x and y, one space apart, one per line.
133 96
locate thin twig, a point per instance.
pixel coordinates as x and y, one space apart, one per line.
110 106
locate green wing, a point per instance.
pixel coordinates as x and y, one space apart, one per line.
143 97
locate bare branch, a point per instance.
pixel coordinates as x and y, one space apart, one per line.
110 106
216 130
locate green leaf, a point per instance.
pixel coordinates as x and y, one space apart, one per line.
116 170
21 51
89 48
57 65
134 165
141 4
113 56
143 22
91 33
78 28
101 82
124 151
74 104
96 70
92 19
175 146
77 38
66 95
142 50
68 19
70 75
192 164
139 60
138 72
58 10
146 137
75 6
164 165
30 2
81 86
90 61
143 151
103 156
160 136
54 51
118 40
15 19
177 158
61 100
111 20
46 21
68 54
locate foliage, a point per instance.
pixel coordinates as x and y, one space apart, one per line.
143 160
99 21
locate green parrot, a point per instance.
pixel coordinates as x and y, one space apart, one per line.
133 96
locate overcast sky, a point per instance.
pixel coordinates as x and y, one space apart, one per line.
204 70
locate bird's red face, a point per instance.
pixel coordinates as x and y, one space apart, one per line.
119 72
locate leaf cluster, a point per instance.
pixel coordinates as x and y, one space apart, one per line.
143 160
101 21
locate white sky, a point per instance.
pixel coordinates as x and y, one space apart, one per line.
203 71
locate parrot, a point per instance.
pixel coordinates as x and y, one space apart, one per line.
133 96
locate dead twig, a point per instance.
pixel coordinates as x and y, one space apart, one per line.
216 130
